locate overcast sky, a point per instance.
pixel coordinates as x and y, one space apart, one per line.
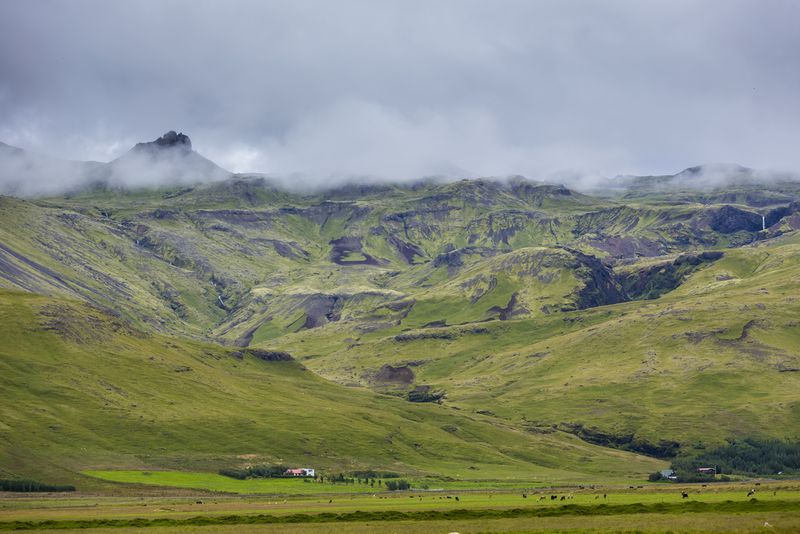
405 89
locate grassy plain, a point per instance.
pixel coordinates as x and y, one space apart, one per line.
651 508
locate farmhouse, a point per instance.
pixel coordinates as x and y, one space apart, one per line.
300 472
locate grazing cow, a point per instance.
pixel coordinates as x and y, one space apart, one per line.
553 497
751 492
543 498
524 496
684 495
562 497
604 495
456 497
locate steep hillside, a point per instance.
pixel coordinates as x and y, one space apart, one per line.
241 260
527 315
80 389
715 358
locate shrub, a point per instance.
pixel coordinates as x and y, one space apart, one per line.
24 485
749 456
394 485
256 471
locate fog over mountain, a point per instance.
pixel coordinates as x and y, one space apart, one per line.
399 90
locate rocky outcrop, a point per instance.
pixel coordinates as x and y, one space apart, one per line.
170 140
629 246
729 219
775 215
322 309
424 394
600 287
263 355
630 442
656 280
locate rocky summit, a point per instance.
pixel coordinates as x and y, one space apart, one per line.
171 139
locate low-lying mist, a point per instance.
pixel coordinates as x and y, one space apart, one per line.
162 163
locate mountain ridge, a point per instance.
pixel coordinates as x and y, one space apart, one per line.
139 167
619 319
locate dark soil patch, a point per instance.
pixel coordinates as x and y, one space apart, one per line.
348 245
396 375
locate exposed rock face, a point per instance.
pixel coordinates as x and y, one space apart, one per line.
729 219
265 355
601 286
168 140
629 246
424 394
447 334
322 309
665 448
654 281
775 215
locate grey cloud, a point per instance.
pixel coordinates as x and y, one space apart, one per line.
401 89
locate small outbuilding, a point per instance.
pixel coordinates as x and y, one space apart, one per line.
301 472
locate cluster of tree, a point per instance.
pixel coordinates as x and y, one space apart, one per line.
375 474
24 485
394 485
684 475
749 456
342 479
369 478
256 471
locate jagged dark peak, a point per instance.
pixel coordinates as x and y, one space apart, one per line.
171 139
